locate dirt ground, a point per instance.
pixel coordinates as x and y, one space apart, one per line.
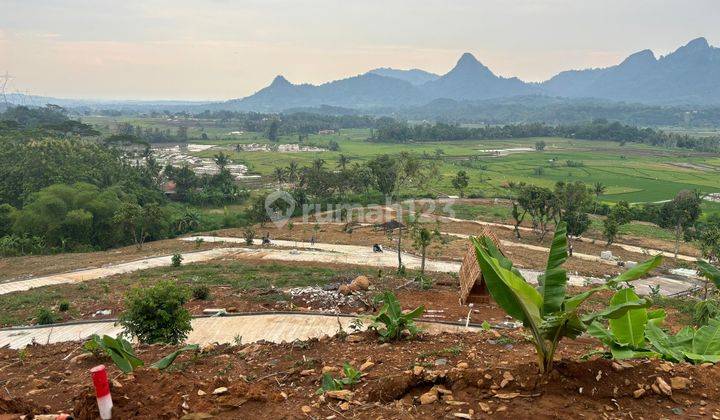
17 268
473 375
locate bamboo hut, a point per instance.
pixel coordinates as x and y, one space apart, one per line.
472 285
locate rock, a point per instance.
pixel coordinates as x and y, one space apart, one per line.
630 264
307 372
462 365
342 394
330 369
201 392
360 283
462 415
678 382
345 406
663 386
507 378
197 416
440 362
428 397
442 390
507 396
116 384
354 338
639 393
306 409
606 255
367 365
81 357
485 407
666 367
220 391
418 370
617 367
344 290
40 383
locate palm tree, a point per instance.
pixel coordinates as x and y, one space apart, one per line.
292 171
599 189
279 175
318 164
221 160
343 161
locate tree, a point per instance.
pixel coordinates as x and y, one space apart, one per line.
574 200
273 129
619 215
422 238
599 189
540 204
280 175
518 216
292 171
318 164
221 160
540 145
680 214
385 171
610 229
710 239
343 161
138 221
460 182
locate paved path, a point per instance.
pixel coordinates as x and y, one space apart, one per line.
274 327
110 270
631 248
318 252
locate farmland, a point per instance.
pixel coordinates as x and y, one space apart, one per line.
631 172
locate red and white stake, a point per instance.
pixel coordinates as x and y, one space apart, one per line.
102 391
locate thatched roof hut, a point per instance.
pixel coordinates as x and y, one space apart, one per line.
472 286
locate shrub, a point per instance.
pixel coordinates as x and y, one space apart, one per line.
45 316
547 311
201 292
177 260
64 306
156 314
391 322
249 234
329 383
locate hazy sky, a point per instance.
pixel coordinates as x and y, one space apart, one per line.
220 49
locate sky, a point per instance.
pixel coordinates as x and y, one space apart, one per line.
222 49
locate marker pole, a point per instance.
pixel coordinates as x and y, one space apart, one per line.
102 391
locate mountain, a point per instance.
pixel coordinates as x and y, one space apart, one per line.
690 75
471 80
413 76
364 91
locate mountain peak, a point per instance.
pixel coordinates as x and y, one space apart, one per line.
467 59
640 57
280 80
698 44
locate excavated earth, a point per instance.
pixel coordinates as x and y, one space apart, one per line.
487 375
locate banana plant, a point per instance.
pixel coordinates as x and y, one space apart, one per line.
626 336
546 310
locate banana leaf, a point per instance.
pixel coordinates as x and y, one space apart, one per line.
166 361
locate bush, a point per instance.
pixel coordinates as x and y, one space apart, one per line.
249 235
64 306
45 316
156 314
177 260
201 292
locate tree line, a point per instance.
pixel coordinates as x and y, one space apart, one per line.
392 131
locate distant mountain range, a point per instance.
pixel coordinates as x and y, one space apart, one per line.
690 75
